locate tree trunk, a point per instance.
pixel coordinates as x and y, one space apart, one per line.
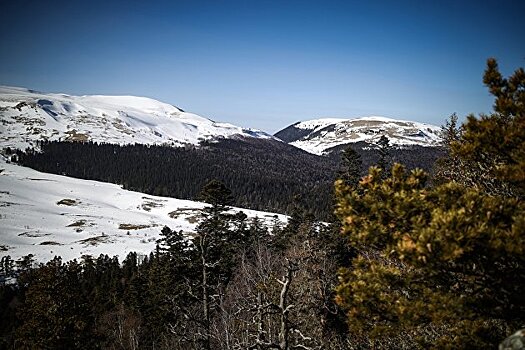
285 327
205 296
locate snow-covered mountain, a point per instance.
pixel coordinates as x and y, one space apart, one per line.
47 215
318 136
27 116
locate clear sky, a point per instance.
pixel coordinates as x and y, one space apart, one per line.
267 64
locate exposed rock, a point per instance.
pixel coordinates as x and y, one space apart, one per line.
514 342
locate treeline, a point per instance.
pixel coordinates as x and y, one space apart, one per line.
262 174
411 156
234 285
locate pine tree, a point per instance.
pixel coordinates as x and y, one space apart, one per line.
351 167
445 263
494 144
216 194
55 314
384 149
172 243
450 167
214 247
446 256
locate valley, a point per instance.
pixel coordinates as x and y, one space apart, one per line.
106 193
262 175
155 148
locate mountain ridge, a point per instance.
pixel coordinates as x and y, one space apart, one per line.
319 136
29 116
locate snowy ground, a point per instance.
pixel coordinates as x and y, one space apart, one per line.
47 215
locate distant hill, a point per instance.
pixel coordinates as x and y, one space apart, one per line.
320 136
28 116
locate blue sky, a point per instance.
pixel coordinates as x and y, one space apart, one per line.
267 64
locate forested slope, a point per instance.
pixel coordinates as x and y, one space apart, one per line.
262 174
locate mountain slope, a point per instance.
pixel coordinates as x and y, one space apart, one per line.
28 116
48 215
318 136
262 174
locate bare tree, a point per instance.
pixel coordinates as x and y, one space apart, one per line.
122 328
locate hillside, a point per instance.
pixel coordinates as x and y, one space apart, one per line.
264 175
29 116
48 215
319 136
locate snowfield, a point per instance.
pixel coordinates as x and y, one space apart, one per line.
28 116
325 133
47 215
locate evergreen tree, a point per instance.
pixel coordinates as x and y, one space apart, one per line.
351 167
445 263
172 243
8 302
450 167
445 256
216 194
168 273
214 248
384 149
451 131
494 144
55 314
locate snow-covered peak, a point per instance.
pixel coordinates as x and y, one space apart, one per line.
320 135
28 116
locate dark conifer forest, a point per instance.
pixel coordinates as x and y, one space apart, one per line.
233 284
264 175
